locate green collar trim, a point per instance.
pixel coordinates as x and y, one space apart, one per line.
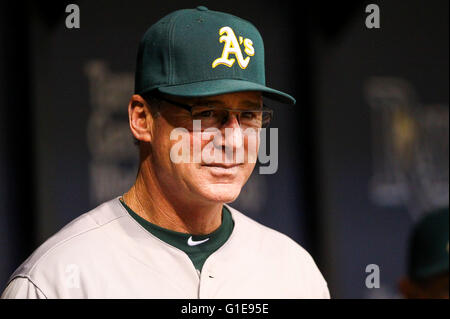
197 250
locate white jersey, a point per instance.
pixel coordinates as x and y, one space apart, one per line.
106 253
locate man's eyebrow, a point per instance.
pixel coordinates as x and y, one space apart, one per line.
249 103
207 102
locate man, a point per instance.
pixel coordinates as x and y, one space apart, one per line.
199 76
428 258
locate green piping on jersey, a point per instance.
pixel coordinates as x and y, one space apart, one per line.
198 253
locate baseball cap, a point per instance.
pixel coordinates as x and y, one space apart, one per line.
429 245
200 52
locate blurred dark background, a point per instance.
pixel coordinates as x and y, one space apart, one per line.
362 156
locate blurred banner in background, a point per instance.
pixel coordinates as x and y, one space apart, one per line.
381 101
362 155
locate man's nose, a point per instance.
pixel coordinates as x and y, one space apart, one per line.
231 133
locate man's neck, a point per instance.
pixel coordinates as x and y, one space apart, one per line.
148 200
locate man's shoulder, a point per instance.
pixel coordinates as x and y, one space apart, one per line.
271 243
271 248
78 236
270 237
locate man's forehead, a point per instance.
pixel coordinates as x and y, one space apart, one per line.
249 99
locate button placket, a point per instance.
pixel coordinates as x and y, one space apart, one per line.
207 280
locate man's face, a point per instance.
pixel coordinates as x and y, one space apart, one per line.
220 180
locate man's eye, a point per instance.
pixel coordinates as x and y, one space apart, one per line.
247 115
206 113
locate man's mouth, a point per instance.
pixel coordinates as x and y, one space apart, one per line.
222 169
222 165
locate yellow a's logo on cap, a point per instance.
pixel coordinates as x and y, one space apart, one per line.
232 46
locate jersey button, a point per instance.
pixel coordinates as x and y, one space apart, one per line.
202 8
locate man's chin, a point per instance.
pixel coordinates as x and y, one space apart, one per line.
224 193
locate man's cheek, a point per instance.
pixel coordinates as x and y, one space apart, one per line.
250 167
251 144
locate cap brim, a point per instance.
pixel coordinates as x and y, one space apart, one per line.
223 86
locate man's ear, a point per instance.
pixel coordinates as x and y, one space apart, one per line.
140 118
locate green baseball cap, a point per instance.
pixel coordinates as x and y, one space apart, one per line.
429 247
200 52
